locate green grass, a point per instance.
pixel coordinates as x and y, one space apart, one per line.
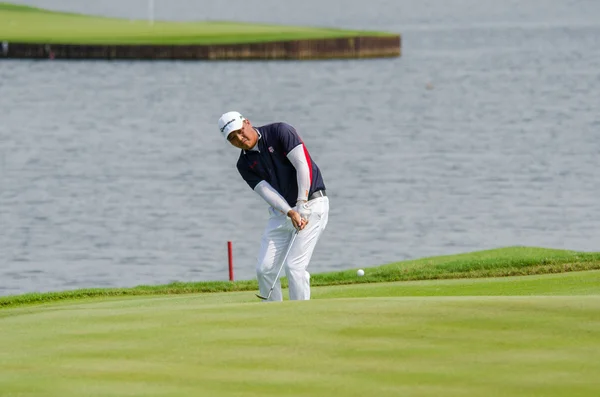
34 25
448 329
511 261
528 336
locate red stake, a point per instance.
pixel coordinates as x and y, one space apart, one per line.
230 252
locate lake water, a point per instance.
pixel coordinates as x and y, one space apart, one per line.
484 134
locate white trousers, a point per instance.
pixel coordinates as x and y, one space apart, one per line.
274 245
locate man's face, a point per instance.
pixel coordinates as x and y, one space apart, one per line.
244 138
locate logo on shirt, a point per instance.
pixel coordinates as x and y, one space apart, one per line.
271 149
254 164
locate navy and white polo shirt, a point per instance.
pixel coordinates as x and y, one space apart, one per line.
270 162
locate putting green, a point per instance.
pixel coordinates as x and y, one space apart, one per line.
543 342
33 25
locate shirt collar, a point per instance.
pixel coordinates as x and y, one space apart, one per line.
255 148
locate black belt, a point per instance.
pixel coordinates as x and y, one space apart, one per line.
317 194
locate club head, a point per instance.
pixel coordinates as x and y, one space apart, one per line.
261 297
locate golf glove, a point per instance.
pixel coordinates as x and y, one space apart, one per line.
303 210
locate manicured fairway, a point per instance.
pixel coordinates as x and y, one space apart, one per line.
575 283
385 339
27 24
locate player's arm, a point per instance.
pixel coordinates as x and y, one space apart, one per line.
272 196
275 200
298 155
263 188
300 159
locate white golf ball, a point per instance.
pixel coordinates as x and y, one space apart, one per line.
360 273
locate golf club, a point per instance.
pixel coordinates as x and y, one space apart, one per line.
280 267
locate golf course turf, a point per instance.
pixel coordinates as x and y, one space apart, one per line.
89 36
35 25
442 335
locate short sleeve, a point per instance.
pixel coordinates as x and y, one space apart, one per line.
288 137
250 177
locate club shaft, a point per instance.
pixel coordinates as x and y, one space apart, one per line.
283 262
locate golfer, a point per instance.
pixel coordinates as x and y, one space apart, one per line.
277 166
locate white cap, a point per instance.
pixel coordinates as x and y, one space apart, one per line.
230 121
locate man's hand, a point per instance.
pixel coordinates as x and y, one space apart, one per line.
303 209
297 220
299 215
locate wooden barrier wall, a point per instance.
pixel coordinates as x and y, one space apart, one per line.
356 47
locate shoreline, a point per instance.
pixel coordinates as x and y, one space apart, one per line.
360 47
495 263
